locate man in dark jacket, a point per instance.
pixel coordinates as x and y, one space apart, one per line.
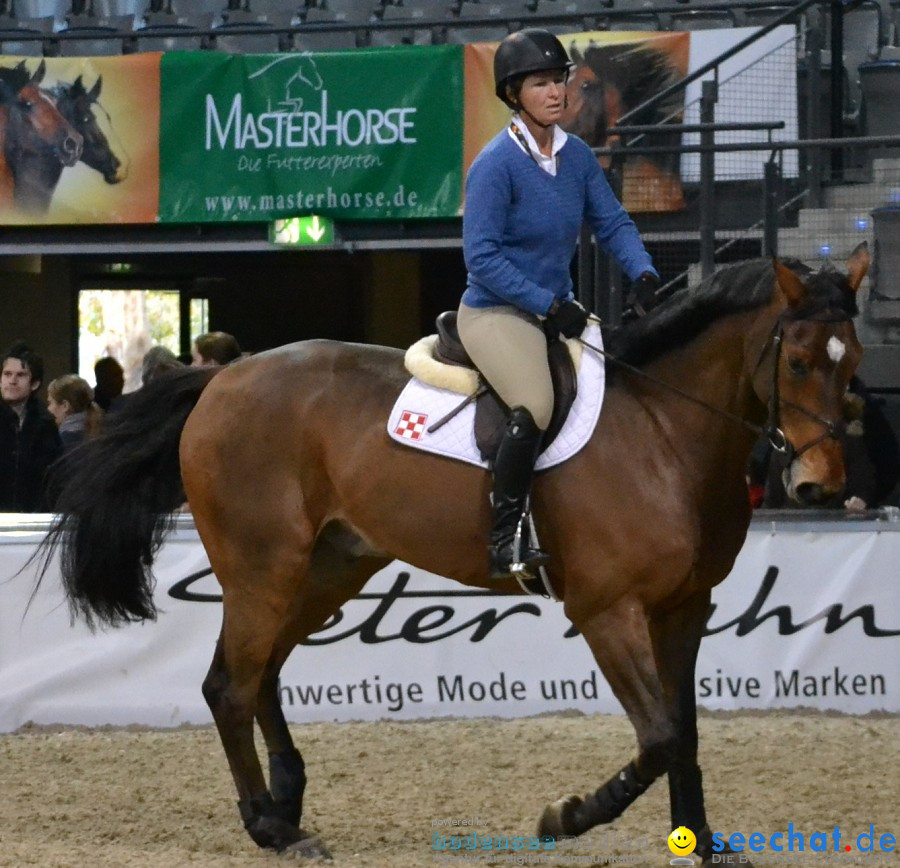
29 440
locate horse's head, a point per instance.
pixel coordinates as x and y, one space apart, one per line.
33 123
816 352
76 105
591 106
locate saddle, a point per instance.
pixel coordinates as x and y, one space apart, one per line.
490 411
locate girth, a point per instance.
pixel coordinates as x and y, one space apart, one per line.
490 411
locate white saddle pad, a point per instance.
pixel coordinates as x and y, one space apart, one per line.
420 406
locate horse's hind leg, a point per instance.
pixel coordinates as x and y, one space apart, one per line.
231 688
619 638
334 577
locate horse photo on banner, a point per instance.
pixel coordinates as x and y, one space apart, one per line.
81 139
614 73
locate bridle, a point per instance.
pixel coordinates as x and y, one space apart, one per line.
772 430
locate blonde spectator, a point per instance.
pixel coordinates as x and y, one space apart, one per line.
71 401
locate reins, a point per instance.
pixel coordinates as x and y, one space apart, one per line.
772 429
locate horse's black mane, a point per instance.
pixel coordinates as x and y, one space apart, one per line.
14 78
731 289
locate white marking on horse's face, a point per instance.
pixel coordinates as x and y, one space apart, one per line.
836 349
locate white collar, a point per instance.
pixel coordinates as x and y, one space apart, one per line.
548 164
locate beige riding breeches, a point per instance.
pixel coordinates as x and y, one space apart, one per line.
509 347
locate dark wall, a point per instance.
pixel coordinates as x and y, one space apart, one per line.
265 299
35 306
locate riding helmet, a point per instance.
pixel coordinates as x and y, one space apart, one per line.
525 51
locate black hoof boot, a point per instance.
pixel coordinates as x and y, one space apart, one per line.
264 826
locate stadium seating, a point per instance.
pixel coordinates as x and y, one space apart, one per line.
436 10
869 25
461 32
24 37
169 37
119 8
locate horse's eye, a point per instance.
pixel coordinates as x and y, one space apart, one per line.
85 119
797 366
27 104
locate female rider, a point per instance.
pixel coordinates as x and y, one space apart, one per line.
527 194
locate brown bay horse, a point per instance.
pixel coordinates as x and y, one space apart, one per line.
300 496
36 140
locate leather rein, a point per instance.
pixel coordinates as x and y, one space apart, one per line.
772 430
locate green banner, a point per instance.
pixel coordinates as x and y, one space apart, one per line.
373 134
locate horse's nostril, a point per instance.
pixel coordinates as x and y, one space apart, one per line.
810 493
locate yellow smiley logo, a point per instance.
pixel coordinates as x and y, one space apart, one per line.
682 841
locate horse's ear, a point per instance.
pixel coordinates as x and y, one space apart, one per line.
94 92
789 283
38 76
858 265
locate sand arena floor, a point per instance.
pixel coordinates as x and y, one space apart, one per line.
124 798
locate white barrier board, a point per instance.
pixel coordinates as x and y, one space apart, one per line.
810 616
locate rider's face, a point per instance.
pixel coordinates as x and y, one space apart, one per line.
543 95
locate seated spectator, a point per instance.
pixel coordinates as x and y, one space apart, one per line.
29 441
71 402
215 348
110 379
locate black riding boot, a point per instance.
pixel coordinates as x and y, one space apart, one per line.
513 470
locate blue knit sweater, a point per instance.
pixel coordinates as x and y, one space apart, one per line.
521 224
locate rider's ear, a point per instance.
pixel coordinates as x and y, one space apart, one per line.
858 265
789 283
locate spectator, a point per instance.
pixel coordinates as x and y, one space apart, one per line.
215 348
71 402
158 360
29 441
880 443
110 379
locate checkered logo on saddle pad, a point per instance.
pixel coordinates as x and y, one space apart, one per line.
411 425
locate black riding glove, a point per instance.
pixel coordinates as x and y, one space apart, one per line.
569 318
642 294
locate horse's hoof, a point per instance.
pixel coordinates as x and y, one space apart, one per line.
556 821
273 833
728 859
307 849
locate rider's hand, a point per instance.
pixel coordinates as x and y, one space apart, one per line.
642 294
569 318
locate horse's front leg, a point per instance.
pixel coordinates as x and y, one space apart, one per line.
619 638
676 635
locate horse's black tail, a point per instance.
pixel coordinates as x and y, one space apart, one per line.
114 497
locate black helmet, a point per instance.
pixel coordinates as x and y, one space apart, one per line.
525 51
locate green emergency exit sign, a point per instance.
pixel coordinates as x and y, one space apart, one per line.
311 231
